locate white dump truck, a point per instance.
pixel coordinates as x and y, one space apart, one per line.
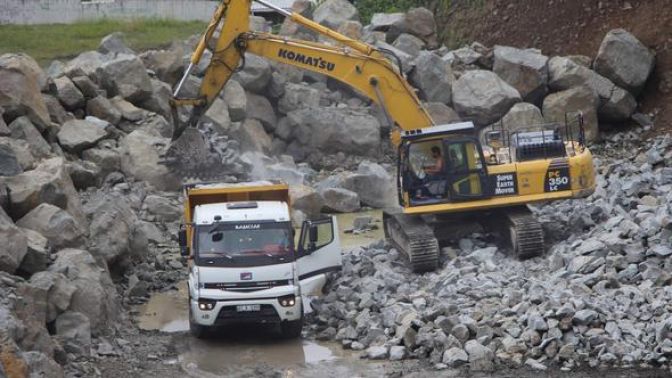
245 263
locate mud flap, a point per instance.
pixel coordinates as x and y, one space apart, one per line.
319 252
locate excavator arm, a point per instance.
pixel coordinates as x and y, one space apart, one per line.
352 62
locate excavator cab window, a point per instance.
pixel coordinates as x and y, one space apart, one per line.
424 172
467 175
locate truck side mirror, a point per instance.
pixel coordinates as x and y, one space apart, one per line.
182 241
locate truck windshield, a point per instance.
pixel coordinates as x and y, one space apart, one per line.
245 243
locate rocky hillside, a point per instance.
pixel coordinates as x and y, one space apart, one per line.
570 27
88 212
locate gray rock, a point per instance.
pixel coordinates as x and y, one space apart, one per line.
125 75
406 60
625 60
332 13
20 91
535 365
85 64
37 253
461 332
259 108
69 94
577 99
409 44
420 22
49 183
88 88
140 153
333 130
112 229
585 317
20 151
218 115
162 208
95 295
256 74
102 108
108 160
482 96
383 21
455 357
306 199
620 107
481 358
340 200
56 111
167 64
158 102
442 113
433 77
236 100
522 115
377 353
9 164
15 244
41 365
84 174
525 70
128 110
397 353
74 328
78 135
59 292
56 224
114 43
23 128
298 96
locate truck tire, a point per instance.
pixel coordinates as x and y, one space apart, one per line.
291 329
197 330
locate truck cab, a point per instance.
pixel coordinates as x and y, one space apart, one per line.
246 263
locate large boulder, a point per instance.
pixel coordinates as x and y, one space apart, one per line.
483 97
384 21
481 358
86 64
14 244
259 108
20 92
112 227
49 183
85 85
74 331
68 93
578 99
159 101
140 154
125 75
59 227
615 104
37 254
252 136
57 112
433 77
107 159
167 64
335 130
305 199
406 60
23 128
236 100
41 365
27 65
78 135
32 310
95 294
623 59
21 151
59 292
525 70
442 113
298 96
522 115
409 44
420 22
372 183
114 43
332 13
218 115
9 163
340 200
102 108
255 75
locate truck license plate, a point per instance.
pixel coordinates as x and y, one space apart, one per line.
248 308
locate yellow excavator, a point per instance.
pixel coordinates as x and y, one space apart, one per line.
445 173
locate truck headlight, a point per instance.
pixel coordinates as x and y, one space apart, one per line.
287 300
206 304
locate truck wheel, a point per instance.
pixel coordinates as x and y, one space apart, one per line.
197 330
292 329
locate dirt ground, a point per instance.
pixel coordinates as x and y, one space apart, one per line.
570 27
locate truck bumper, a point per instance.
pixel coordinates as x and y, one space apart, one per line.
227 312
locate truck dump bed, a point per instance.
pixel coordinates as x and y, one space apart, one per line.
201 194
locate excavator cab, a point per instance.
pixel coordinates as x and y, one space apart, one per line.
442 164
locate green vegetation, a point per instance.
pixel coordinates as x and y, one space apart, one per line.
60 41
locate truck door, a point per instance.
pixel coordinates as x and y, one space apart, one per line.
319 251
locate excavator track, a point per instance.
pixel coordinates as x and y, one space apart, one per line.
525 233
411 236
